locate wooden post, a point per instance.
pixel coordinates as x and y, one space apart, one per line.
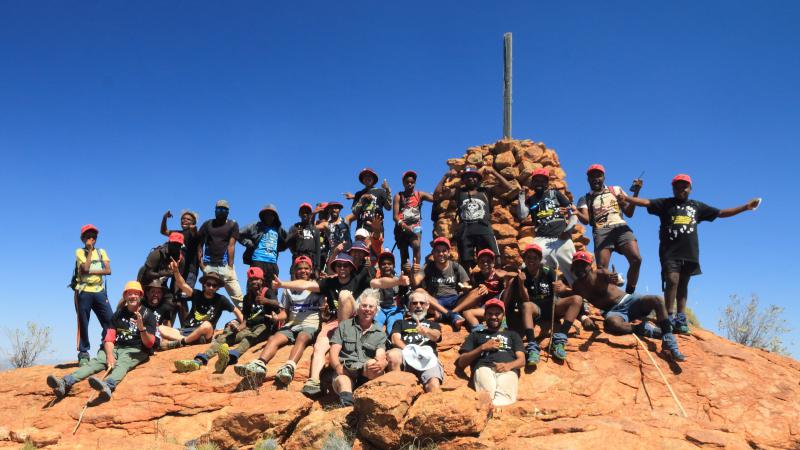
507 86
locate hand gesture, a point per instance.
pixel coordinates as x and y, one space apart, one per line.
349 195
482 290
173 265
407 268
502 367
168 214
404 280
276 282
521 275
416 267
139 322
490 345
385 185
753 204
614 278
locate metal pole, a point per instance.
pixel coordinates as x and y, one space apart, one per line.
507 86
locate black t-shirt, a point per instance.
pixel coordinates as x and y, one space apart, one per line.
444 283
510 343
678 230
493 283
336 233
254 312
124 324
540 287
162 313
391 297
371 208
204 309
408 332
545 213
303 239
215 240
330 287
474 210
190 243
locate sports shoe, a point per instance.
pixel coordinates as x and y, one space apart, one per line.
559 352
311 388
187 365
223 356
103 389
532 351
60 387
169 345
647 329
255 370
285 374
680 324
83 359
669 345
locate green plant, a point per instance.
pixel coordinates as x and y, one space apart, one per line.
752 326
334 441
28 445
266 444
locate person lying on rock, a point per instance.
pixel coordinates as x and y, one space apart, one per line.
536 292
444 280
495 355
260 313
598 286
407 209
488 283
161 309
474 203
414 344
679 248
602 207
393 289
358 349
127 343
551 214
207 307
302 309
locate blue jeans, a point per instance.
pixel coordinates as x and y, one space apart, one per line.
86 303
388 316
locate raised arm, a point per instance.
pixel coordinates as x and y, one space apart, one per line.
389 282
749 206
630 206
442 193
500 178
164 229
179 281
522 212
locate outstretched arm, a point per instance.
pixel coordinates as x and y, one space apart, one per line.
749 206
164 229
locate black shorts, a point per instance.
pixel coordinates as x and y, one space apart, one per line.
404 237
472 241
679 266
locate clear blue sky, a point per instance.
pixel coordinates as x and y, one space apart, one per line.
113 112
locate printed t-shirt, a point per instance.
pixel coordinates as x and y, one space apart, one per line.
444 283
267 248
254 312
510 343
410 208
540 287
337 233
204 309
544 211
606 210
407 329
373 207
678 231
331 287
124 323
302 306
91 283
215 240
162 312
305 238
474 210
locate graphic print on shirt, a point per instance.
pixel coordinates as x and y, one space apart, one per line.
410 335
410 208
683 222
472 209
127 331
505 346
267 250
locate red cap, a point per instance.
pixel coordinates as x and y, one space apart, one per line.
682 177
255 272
495 302
176 237
304 260
534 248
306 205
386 253
596 167
441 240
582 256
89 227
367 171
333 204
485 251
541 172
409 173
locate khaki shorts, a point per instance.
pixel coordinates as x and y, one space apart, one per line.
502 387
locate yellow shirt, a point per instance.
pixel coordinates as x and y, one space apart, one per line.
91 283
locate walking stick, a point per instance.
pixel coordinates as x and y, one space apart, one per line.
80 417
674 397
553 316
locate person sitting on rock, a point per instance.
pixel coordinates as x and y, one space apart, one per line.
474 203
391 306
679 248
414 344
538 288
161 309
488 283
358 349
369 202
551 214
444 280
495 355
207 307
191 239
156 266
407 209
599 287
260 314
127 343
602 207
302 307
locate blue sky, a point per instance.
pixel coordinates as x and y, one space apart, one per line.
113 112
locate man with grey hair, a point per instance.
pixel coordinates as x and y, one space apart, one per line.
358 349
414 340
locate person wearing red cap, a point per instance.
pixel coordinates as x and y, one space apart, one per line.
488 283
599 287
260 313
302 310
157 266
303 237
407 209
217 248
474 204
263 241
495 356
444 280
336 231
191 240
91 265
552 216
369 202
679 247
602 207
393 292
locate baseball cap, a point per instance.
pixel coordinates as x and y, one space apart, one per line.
441 240
682 177
540 172
223 204
386 253
485 251
255 272
366 171
89 227
495 302
306 206
303 259
176 237
582 256
534 248
362 233
594 167
409 173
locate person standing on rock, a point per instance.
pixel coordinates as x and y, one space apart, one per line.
602 208
495 355
217 247
414 344
679 248
369 202
444 280
599 287
337 230
191 240
358 349
551 214
126 345
303 238
407 209
260 315
263 240
474 203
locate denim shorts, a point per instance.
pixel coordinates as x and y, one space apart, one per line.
629 308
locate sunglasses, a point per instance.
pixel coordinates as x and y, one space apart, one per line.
419 303
211 284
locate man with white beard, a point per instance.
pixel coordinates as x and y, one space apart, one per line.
414 340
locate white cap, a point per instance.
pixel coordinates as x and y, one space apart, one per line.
362 233
420 357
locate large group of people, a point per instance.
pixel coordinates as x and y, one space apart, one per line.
363 313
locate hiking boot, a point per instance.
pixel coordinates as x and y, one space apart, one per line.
169 345
346 399
311 388
59 385
83 359
559 352
669 345
680 325
532 352
254 371
285 374
223 356
187 365
103 389
647 329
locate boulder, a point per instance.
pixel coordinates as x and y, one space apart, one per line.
315 429
381 405
461 412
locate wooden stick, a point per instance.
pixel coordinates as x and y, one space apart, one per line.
674 397
91 399
553 315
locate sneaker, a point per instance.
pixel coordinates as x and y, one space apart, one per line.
669 345
532 351
680 324
285 374
169 345
187 365
83 359
311 388
255 370
102 388
559 352
223 356
59 386
346 399
647 329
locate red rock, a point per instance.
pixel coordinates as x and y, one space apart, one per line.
313 430
462 412
381 405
